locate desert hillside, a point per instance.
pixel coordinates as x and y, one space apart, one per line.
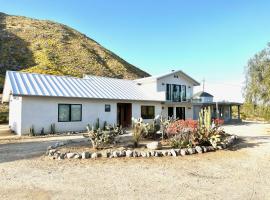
48 47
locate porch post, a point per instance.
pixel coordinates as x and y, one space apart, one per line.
238 109
230 112
217 111
174 112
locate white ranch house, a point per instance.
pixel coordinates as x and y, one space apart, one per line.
71 103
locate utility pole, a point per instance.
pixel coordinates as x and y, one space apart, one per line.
203 84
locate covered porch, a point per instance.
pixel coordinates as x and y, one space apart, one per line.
228 111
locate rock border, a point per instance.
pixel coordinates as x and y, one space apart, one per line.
54 153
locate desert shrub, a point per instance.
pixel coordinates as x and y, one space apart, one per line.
99 138
182 133
140 130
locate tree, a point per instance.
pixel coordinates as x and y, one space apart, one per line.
257 86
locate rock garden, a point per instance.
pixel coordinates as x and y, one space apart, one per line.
162 137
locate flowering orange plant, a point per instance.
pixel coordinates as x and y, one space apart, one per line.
182 126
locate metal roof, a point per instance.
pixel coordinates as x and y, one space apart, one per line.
31 84
195 83
202 94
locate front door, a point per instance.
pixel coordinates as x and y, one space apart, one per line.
124 114
170 112
180 113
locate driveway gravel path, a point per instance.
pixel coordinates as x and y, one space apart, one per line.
241 172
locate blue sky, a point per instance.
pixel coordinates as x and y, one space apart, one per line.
211 39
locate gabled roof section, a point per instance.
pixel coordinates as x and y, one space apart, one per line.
202 94
94 87
151 78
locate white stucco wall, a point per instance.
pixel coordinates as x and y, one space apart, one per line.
158 87
15 113
41 112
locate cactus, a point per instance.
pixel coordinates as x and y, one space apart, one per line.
42 132
97 126
32 131
205 118
53 129
105 125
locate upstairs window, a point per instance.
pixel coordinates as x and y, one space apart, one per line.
148 112
184 93
69 112
168 92
176 93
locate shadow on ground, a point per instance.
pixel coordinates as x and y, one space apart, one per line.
249 142
25 150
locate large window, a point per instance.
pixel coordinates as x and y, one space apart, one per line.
69 112
148 112
176 93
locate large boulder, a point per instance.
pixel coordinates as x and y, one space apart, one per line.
154 145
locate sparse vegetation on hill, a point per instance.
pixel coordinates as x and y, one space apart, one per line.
48 47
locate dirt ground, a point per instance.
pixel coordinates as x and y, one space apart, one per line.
241 172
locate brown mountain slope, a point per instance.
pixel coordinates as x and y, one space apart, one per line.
48 47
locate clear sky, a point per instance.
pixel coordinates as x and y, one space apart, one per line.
211 39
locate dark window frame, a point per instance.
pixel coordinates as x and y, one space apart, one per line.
70 105
107 107
176 93
168 92
147 115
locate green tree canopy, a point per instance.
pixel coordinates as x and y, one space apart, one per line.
257 86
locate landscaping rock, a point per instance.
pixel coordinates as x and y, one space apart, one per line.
152 153
61 156
169 153
135 154
85 155
157 154
154 145
198 149
182 152
94 155
224 146
219 147
105 154
177 151
148 154
111 156
143 154
115 154
173 153
129 153
191 151
77 156
70 155
139 154
165 153
49 148
122 153
210 148
204 149
52 152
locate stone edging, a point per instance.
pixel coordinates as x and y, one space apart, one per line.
54 153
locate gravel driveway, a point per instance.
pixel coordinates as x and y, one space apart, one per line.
239 173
